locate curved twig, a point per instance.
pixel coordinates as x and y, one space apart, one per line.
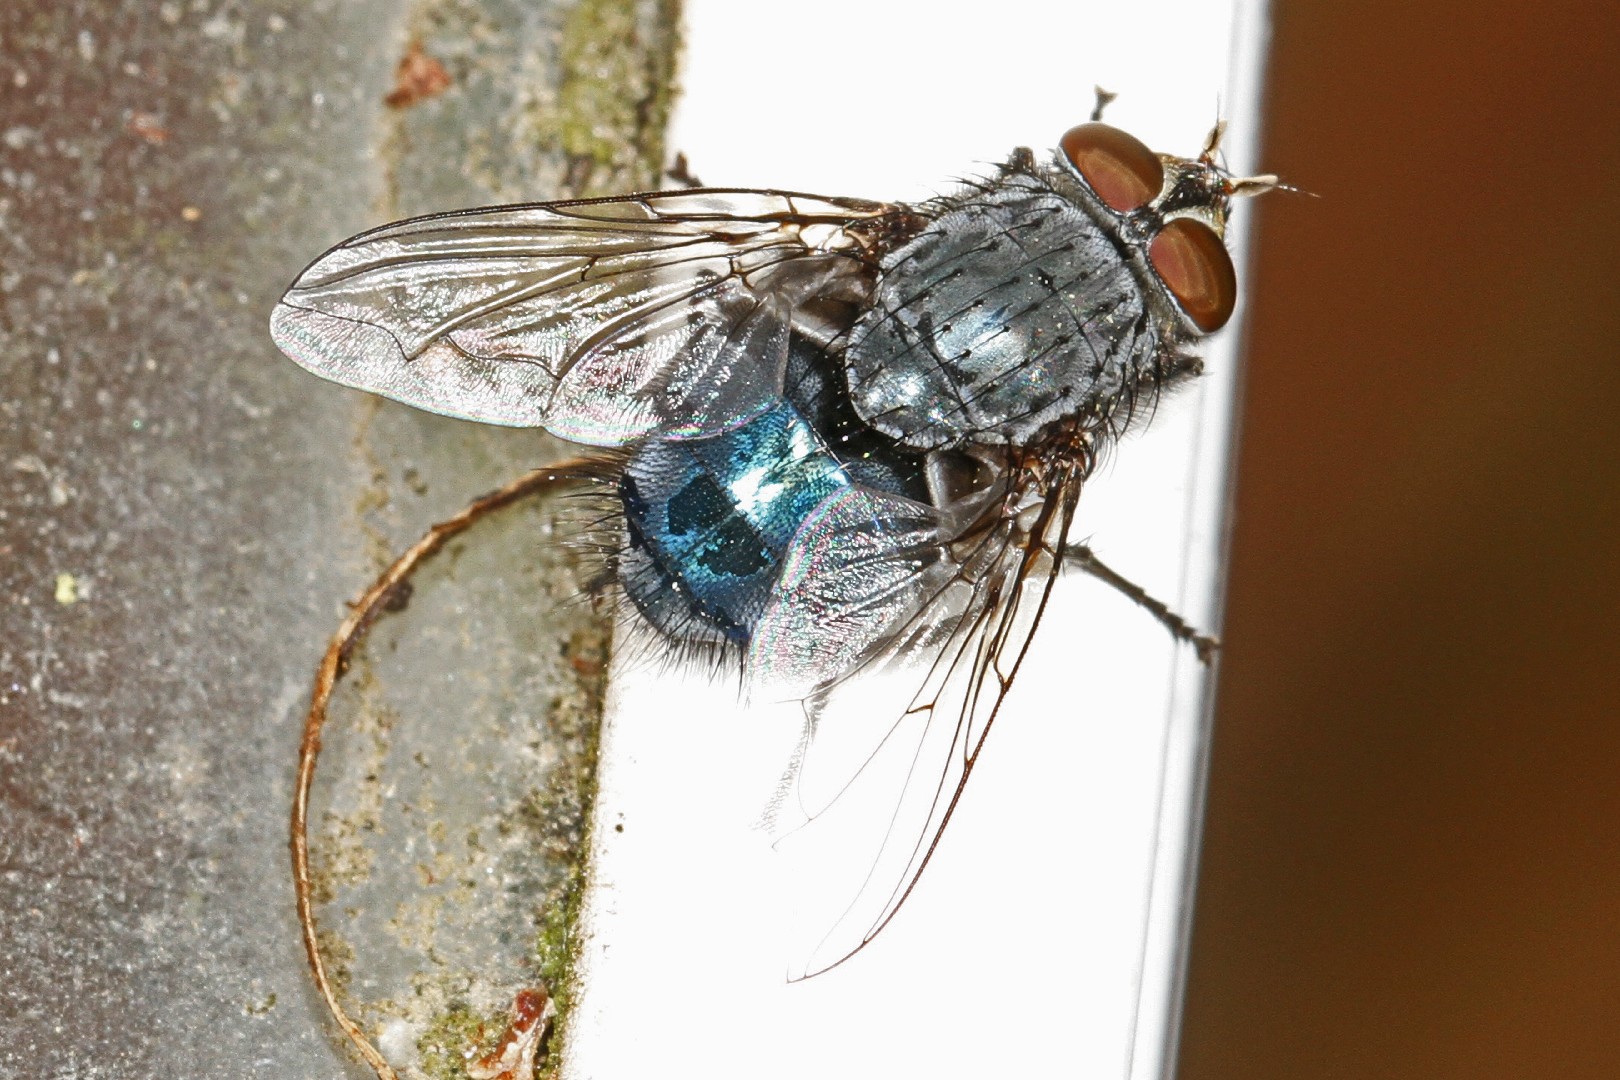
371 605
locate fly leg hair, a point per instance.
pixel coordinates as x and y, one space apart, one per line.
1082 557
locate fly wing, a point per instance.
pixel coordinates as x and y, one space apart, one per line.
873 794
850 577
602 321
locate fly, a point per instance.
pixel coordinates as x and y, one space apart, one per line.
837 432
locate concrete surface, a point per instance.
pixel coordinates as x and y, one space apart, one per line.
183 513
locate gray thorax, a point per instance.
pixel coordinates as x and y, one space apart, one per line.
1021 305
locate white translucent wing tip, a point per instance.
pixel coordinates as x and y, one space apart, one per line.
443 380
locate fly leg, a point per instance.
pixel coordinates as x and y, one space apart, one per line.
1081 556
680 171
1103 98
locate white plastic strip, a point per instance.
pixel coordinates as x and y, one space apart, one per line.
1048 935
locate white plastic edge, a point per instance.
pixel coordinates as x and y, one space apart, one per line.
1049 937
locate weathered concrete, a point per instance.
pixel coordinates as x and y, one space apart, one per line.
183 513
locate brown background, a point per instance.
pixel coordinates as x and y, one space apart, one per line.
1412 859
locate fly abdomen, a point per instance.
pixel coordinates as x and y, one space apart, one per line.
709 520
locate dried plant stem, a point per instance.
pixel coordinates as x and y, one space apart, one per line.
375 601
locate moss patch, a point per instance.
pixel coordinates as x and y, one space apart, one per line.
455 1036
614 95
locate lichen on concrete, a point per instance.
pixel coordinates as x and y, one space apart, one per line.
617 79
457 1032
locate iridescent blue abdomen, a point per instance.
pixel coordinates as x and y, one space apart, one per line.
710 520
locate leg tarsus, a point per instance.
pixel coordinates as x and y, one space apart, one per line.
680 171
1103 98
1084 558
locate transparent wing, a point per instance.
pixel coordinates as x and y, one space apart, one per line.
849 579
601 320
870 794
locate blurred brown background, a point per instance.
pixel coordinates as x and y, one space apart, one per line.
1412 860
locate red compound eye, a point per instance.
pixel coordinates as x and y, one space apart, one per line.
1192 262
1124 173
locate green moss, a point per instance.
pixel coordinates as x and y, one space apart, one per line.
614 93
455 1036
565 807
260 1008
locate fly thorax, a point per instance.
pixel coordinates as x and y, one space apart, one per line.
1014 309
